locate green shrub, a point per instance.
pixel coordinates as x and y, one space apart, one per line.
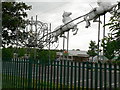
44 55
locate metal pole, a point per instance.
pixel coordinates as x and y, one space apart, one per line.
103 34
17 48
98 36
49 44
35 52
63 46
104 27
31 25
67 44
27 48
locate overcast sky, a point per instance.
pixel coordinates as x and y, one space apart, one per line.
50 11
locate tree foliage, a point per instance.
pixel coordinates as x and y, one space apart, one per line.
114 26
13 18
92 49
42 55
109 47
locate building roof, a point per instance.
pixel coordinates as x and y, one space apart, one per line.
75 53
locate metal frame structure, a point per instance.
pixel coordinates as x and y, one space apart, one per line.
34 29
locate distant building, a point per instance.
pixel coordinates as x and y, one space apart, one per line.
73 55
101 59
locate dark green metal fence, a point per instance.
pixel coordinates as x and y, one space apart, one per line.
21 73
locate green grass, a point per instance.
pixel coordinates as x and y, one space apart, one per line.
15 82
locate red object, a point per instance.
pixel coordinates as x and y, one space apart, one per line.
65 52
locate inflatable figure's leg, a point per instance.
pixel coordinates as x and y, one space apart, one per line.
55 39
87 22
75 29
62 36
75 32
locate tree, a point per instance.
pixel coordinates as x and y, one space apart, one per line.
77 49
13 19
109 47
114 26
92 49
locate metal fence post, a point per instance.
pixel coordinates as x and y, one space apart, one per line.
68 72
30 74
79 75
91 74
87 75
110 76
105 76
83 73
96 76
100 76
75 74
115 76
61 74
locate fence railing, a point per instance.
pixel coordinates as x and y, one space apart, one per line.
19 73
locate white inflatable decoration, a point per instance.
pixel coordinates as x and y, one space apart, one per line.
60 30
103 7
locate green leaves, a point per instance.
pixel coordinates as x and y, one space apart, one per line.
13 17
109 46
112 44
92 49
